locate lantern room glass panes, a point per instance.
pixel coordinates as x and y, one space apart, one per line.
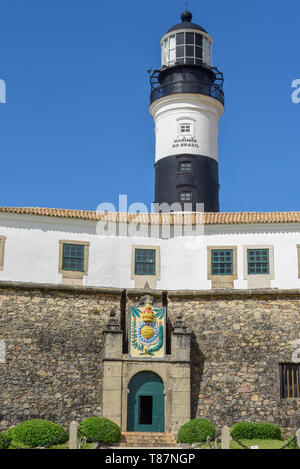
180 39
186 48
206 51
172 49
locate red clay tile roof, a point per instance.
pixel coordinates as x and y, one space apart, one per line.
229 218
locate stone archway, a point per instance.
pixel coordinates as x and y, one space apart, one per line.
146 403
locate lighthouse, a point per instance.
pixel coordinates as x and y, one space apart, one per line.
186 103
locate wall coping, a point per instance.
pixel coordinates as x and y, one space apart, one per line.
272 292
62 288
155 293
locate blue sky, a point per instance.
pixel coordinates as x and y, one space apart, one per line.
76 130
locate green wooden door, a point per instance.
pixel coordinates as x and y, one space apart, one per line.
146 404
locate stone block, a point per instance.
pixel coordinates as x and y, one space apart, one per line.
73 435
112 384
112 370
181 384
225 438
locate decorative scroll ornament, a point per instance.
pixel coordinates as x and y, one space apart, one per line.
147 331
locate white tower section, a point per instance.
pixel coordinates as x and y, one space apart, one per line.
186 123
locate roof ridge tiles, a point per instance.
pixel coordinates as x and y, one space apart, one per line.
209 218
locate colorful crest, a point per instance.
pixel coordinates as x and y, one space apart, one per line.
147 332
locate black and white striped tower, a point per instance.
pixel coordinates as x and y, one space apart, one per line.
187 102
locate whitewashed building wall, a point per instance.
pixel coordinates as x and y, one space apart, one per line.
32 253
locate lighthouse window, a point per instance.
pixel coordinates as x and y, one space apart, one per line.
190 51
185 128
180 38
190 38
180 51
172 42
172 49
169 52
198 40
206 51
186 197
165 52
185 167
199 52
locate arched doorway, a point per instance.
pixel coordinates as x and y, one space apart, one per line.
146 403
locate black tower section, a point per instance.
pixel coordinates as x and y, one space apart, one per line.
202 181
200 177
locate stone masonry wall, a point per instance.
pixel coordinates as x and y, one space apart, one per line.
53 366
238 343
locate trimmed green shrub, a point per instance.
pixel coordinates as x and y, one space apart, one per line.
267 431
196 431
256 431
34 433
243 431
9 433
99 429
4 441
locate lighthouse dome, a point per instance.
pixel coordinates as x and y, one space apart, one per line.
186 23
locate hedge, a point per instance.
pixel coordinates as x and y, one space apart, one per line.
196 431
99 429
256 431
37 432
4 441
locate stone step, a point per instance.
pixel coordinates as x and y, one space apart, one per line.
149 436
147 440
